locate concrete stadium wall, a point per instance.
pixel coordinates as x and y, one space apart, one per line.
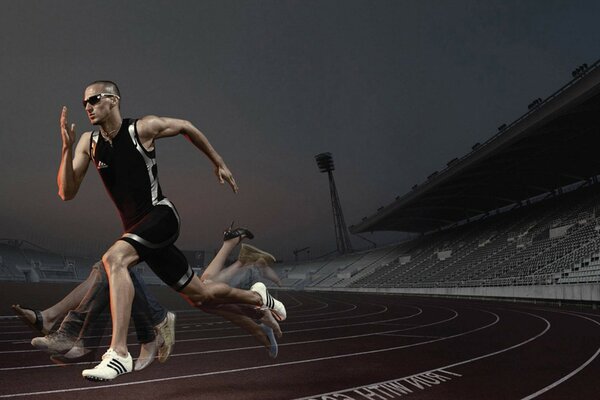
43 295
572 292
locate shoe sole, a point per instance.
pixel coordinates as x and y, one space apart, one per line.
98 379
95 379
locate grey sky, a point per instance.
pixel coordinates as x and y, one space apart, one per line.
394 89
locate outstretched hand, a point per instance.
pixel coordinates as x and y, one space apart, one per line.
67 133
224 174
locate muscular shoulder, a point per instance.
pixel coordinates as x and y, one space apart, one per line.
149 125
154 127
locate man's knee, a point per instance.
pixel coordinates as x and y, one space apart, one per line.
115 260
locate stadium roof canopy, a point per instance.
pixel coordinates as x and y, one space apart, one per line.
555 144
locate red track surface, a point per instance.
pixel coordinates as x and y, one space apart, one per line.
346 346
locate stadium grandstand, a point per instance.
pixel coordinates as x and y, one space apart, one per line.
518 216
23 261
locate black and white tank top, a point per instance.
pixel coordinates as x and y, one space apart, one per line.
129 172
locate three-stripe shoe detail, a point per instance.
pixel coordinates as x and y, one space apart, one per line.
277 308
270 303
112 365
117 366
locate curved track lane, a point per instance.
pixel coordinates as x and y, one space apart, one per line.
347 346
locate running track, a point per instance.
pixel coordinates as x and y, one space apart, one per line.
346 346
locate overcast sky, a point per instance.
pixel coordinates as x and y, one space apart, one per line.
394 89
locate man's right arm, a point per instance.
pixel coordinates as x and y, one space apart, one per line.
73 163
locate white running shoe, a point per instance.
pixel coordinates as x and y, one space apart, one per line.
112 365
276 307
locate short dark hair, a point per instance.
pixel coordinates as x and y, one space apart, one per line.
110 85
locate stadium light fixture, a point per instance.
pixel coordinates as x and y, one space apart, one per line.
325 164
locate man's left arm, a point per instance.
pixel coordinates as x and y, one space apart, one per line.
152 127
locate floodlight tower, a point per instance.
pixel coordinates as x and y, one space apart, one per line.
325 163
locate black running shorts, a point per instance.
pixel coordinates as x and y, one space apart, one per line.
153 238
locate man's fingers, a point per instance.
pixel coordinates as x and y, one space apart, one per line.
63 116
225 175
232 183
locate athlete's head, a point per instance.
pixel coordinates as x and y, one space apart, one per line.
100 99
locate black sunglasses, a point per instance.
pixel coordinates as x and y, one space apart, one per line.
95 99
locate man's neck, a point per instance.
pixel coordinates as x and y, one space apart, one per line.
111 127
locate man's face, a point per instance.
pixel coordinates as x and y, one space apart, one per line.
98 112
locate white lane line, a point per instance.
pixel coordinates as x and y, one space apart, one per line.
190 322
230 327
195 353
289 297
213 321
323 305
575 371
224 328
382 311
243 336
298 362
409 336
325 300
543 332
237 337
